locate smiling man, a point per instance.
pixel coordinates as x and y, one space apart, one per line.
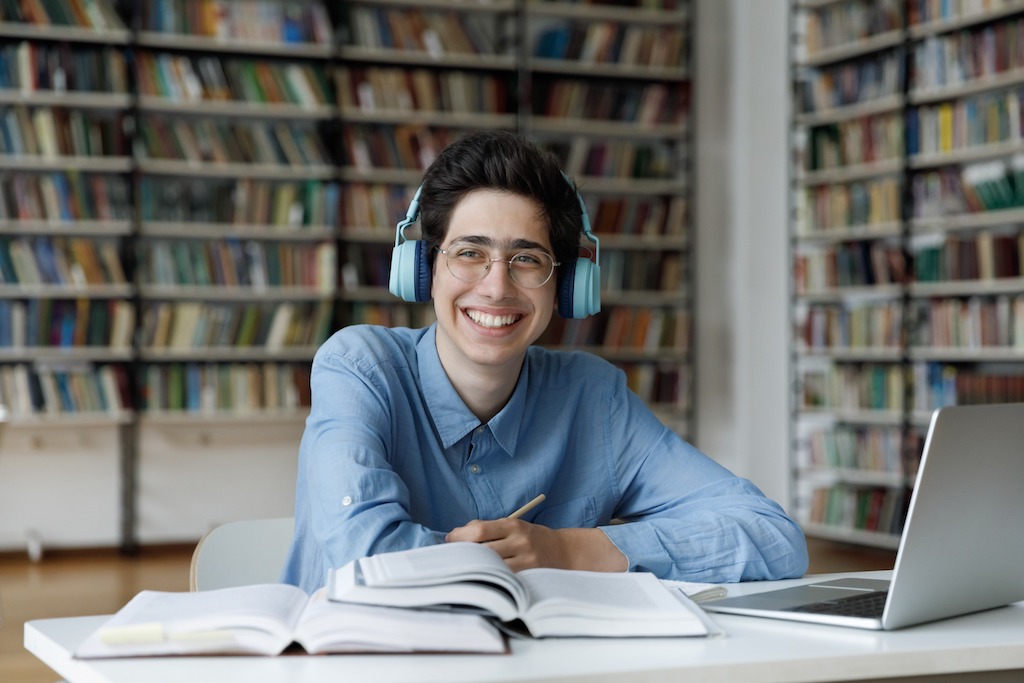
421 436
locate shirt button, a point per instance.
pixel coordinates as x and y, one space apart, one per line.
475 469
346 501
479 430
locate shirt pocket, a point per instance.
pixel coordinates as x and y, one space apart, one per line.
579 513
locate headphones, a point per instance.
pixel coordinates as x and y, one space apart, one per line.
579 283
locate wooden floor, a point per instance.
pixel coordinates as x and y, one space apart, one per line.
72 583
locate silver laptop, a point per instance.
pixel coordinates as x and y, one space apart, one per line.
962 548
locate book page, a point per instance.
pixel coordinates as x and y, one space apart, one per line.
606 604
336 627
485 597
257 619
439 564
431 564
599 591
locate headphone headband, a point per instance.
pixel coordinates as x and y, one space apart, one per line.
412 215
584 219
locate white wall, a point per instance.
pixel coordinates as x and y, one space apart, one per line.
60 486
193 477
741 233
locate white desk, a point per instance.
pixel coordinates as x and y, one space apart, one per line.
981 647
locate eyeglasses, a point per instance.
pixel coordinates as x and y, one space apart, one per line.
530 268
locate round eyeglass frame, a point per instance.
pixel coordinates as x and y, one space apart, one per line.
487 261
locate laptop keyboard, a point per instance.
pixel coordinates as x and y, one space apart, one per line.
868 605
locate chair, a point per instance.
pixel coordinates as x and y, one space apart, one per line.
241 553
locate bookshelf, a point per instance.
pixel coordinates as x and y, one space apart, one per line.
905 243
239 167
609 92
66 303
237 206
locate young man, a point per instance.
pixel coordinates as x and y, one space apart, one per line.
431 435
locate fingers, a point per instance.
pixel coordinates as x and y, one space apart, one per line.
509 538
515 541
480 531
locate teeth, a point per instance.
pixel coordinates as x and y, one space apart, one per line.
488 320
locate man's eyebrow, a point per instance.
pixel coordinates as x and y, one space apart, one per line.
526 244
517 244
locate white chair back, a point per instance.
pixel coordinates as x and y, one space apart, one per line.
241 553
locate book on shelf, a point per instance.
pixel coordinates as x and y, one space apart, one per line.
620 322
70 388
266 619
942 384
14 389
979 322
435 32
231 388
870 78
597 42
984 255
75 323
834 25
370 207
79 13
270 21
865 508
548 602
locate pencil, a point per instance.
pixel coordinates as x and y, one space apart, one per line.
526 508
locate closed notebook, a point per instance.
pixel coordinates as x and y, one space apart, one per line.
549 602
266 619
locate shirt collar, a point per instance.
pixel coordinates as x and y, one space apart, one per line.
452 418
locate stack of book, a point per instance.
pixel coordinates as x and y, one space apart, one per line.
453 597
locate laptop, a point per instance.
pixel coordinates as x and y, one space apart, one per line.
962 547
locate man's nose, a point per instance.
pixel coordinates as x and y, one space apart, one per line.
503 278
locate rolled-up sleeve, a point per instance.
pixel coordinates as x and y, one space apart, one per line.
685 516
350 501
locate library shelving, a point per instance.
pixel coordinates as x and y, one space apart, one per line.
609 93
908 208
237 209
237 205
195 193
67 313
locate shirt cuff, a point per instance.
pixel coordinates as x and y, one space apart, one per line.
641 546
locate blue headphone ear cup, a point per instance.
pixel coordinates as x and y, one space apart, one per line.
422 271
566 283
586 294
579 290
410 272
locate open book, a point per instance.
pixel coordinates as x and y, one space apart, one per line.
265 619
549 602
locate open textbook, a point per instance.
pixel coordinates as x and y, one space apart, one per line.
265 619
548 602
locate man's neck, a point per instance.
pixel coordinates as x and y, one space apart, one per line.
485 389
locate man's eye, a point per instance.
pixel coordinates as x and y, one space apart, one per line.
468 255
528 259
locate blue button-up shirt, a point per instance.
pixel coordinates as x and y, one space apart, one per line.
391 458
